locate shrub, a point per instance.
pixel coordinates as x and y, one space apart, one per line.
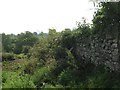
60 53
40 75
20 56
31 67
13 80
65 77
8 57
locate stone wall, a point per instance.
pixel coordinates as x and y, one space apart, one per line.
100 50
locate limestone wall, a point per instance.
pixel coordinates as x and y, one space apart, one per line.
100 50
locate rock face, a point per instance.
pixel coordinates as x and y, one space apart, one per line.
100 50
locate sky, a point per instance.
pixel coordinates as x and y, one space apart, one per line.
18 16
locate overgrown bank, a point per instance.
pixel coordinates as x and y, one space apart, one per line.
83 58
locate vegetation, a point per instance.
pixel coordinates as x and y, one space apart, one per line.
29 59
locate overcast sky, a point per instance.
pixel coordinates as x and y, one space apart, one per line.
17 16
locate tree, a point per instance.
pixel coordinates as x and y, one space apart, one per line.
6 43
67 40
106 20
24 39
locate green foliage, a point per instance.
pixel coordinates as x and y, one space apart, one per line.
31 67
13 80
65 77
67 39
60 53
52 57
6 43
25 49
20 56
8 56
107 18
40 51
24 39
16 65
12 56
40 75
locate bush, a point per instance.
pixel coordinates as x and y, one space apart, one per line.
60 53
40 75
65 77
8 57
31 67
21 56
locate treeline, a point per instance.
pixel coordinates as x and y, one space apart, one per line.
55 53
21 42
